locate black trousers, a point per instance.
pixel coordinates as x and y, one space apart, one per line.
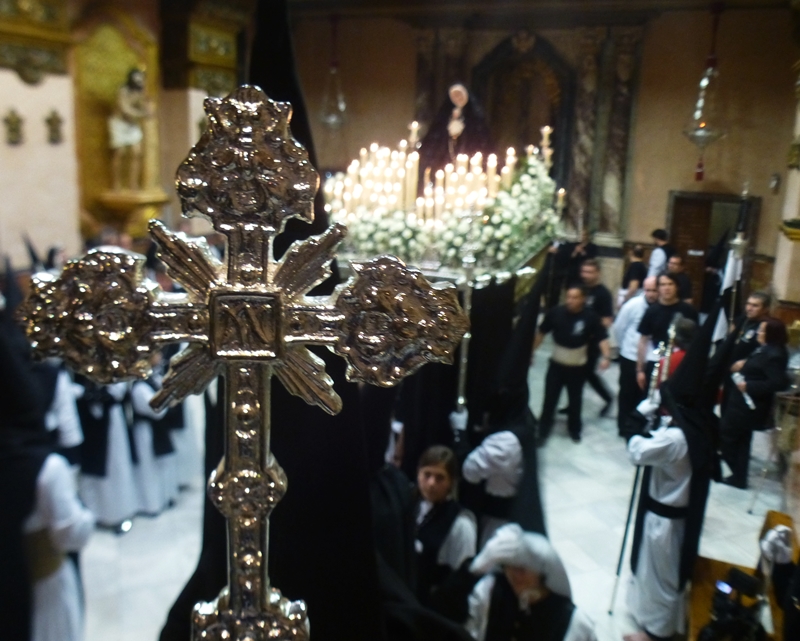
593 378
630 394
735 438
558 377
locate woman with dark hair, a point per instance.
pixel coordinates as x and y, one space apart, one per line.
446 534
459 127
747 408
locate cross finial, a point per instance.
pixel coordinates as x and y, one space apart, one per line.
246 320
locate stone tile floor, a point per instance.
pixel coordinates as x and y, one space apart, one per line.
132 580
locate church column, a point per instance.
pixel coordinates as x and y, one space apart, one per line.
583 139
787 257
424 100
625 43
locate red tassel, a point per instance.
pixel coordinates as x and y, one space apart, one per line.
699 171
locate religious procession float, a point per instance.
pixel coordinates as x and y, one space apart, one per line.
472 211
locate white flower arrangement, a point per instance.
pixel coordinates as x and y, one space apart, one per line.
515 225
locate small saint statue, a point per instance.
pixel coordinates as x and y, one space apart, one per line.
126 131
54 124
13 122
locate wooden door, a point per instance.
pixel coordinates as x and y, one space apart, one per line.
691 222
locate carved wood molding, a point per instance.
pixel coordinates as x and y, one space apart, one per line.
34 38
200 43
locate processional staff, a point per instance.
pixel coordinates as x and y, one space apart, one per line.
659 375
247 321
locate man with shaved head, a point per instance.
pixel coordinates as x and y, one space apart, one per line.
626 332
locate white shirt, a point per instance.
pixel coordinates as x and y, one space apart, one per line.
658 262
57 612
498 461
581 627
63 413
668 454
626 325
57 507
461 542
141 395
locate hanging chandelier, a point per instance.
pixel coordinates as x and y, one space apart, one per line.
333 102
704 128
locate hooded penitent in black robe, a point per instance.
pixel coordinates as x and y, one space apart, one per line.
508 410
24 446
688 396
428 397
321 545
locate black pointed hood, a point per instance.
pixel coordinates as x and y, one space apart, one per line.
510 396
717 254
36 262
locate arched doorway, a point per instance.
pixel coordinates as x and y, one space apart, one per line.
524 84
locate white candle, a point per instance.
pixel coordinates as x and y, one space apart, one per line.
438 203
420 208
491 171
439 184
413 136
429 208
546 131
505 174
400 189
548 155
476 163
560 197
413 173
448 175
511 158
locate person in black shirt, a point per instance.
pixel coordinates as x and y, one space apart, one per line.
598 299
675 267
446 533
654 326
745 330
633 279
749 405
574 329
742 340
579 253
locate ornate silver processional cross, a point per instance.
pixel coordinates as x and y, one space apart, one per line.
247 320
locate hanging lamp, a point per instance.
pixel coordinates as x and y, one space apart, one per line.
704 128
333 102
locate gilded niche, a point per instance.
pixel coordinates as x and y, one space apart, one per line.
117 82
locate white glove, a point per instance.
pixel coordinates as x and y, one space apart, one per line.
459 419
648 406
776 546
